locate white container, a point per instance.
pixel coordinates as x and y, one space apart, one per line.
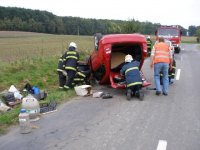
97 94
24 122
32 106
83 90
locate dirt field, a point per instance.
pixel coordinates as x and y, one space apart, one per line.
24 45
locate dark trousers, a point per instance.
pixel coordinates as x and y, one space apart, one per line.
135 89
62 79
70 74
149 51
82 77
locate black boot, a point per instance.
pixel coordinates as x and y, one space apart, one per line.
128 94
140 95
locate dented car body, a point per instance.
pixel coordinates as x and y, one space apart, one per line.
107 59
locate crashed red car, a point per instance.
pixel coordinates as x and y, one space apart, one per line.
108 57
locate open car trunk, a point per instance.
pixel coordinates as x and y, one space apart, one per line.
118 53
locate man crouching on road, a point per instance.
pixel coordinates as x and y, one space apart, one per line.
132 76
161 58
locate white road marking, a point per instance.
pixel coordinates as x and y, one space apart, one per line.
162 145
178 74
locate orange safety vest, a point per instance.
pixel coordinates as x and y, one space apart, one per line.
162 53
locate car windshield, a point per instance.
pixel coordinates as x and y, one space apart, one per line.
168 32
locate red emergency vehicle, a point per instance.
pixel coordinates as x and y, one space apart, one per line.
171 33
108 57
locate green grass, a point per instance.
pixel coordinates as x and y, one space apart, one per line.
37 71
32 58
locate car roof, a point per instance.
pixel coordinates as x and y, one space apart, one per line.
123 38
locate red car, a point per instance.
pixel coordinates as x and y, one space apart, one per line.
108 57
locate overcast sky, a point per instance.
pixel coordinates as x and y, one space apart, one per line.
169 12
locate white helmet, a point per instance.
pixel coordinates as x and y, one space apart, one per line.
72 44
148 37
128 58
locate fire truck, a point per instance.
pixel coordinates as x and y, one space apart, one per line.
171 33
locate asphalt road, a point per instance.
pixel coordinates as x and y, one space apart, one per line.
158 123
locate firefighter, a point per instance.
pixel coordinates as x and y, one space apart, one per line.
131 72
61 71
83 74
149 43
171 73
71 62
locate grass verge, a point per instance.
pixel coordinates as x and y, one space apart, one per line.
37 71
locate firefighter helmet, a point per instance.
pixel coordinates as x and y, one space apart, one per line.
72 44
128 58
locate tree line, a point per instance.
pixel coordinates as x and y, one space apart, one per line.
20 19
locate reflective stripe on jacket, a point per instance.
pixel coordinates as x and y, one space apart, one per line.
72 58
70 68
162 53
132 68
61 63
132 73
148 43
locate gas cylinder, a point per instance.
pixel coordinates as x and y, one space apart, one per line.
32 106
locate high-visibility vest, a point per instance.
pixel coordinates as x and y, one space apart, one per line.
162 53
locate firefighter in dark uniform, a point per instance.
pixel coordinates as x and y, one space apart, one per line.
171 73
71 63
149 43
132 76
61 71
83 74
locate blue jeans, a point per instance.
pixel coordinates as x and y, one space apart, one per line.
161 67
